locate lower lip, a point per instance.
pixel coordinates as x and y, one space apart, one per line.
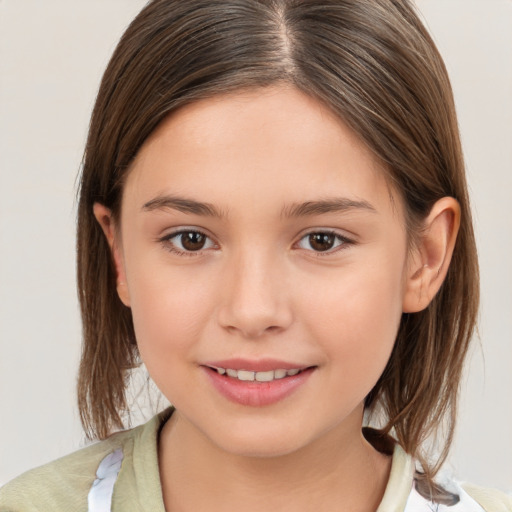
257 394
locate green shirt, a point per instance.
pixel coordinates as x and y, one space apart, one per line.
65 485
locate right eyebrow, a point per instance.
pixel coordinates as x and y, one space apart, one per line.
330 205
182 204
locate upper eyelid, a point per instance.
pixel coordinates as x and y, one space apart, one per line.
331 231
166 240
350 238
301 235
347 239
181 230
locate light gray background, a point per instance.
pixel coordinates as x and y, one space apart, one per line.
52 54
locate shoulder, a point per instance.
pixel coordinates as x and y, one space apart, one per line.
491 500
452 496
63 484
408 492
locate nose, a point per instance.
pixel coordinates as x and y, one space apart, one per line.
255 298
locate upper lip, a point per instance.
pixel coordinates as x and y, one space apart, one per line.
253 365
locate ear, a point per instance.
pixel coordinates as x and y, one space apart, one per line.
105 220
429 262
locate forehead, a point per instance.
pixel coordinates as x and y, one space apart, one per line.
276 143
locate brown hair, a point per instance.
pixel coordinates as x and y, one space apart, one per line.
373 64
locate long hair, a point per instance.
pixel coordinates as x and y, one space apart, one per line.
371 62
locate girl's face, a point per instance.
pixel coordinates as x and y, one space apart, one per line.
258 234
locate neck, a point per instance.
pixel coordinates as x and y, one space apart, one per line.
329 473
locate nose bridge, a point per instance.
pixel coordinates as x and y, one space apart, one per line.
256 298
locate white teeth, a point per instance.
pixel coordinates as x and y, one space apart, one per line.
248 376
279 374
263 376
245 375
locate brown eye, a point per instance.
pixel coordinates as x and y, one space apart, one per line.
322 241
186 243
192 240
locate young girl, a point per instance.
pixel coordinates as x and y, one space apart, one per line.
274 219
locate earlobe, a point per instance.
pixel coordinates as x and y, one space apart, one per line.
429 263
104 217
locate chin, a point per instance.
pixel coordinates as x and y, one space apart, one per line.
262 447
261 439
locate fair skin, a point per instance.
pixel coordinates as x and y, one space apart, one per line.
269 280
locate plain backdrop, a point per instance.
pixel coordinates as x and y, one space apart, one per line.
52 55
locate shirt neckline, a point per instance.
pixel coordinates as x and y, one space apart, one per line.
395 497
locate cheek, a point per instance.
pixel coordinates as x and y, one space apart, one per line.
168 309
168 315
356 319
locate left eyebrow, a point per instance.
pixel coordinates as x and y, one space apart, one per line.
183 205
331 205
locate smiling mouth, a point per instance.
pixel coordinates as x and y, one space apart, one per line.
250 376
266 382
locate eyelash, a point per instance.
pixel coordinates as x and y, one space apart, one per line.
166 241
344 242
